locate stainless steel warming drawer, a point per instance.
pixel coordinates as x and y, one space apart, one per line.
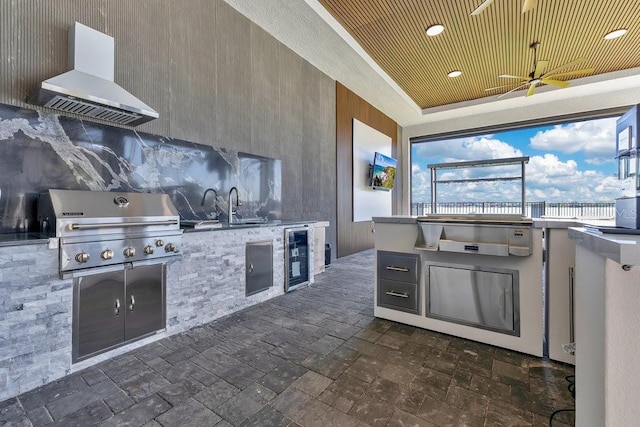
398 281
498 235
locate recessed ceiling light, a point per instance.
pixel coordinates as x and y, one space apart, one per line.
434 30
455 73
615 34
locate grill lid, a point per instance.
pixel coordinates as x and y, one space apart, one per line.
77 212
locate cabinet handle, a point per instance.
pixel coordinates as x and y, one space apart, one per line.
504 303
250 267
133 303
397 294
571 306
402 269
117 309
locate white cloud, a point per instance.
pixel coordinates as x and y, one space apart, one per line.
596 138
548 178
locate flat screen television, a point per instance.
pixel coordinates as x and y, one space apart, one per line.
384 172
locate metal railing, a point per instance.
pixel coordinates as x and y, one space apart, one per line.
595 210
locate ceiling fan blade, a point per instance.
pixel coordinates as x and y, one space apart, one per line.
514 89
509 76
532 89
570 73
503 86
540 67
558 83
568 64
481 7
527 5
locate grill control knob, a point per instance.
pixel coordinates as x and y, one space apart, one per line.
159 243
148 250
82 257
107 254
129 252
170 247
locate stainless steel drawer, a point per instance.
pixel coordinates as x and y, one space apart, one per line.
398 296
398 266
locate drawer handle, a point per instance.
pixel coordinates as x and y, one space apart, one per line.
397 294
403 269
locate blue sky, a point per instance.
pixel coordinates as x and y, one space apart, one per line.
568 162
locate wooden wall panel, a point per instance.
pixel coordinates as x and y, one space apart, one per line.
352 236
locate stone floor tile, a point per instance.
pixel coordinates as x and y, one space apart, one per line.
326 345
55 390
39 417
180 355
401 418
179 392
489 387
475 403
383 390
86 416
318 414
282 376
140 413
216 394
245 404
312 383
371 411
267 416
189 413
60 408
409 400
442 361
510 374
118 401
330 367
92 375
397 374
290 402
368 335
11 410
446 415
393 339
144 384
366 368
500 414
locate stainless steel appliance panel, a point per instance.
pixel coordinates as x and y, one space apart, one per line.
398 296
144 300
258 266
397 266
482 297
99 313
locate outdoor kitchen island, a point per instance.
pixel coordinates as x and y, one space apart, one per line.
207 281
479 290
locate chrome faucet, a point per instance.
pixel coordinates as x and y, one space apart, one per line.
215 200
230 216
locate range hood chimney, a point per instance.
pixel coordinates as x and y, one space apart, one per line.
88 89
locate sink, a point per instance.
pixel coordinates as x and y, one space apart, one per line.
200 225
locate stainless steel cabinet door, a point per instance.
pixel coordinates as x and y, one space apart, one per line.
473 296
100 312
144 302
259 267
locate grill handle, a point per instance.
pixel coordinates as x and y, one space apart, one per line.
76 226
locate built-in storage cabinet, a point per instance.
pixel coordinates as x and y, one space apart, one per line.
398 281
258 266
481 297
114 307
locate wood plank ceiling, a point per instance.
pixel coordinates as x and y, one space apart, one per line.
484 46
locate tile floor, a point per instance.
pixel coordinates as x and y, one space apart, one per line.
313 357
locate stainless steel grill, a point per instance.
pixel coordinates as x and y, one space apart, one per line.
97 229
501 235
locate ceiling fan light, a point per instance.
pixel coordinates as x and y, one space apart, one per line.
434 30
615 34
455 73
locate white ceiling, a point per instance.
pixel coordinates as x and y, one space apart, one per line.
309 30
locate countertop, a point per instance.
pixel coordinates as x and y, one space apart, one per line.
21 239
243 226
621 248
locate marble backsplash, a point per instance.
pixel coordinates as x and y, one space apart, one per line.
39 151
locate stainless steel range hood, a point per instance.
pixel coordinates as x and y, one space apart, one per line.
88 89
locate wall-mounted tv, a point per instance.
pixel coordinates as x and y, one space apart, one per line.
384 172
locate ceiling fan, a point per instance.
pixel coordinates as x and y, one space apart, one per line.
539 75
527 5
